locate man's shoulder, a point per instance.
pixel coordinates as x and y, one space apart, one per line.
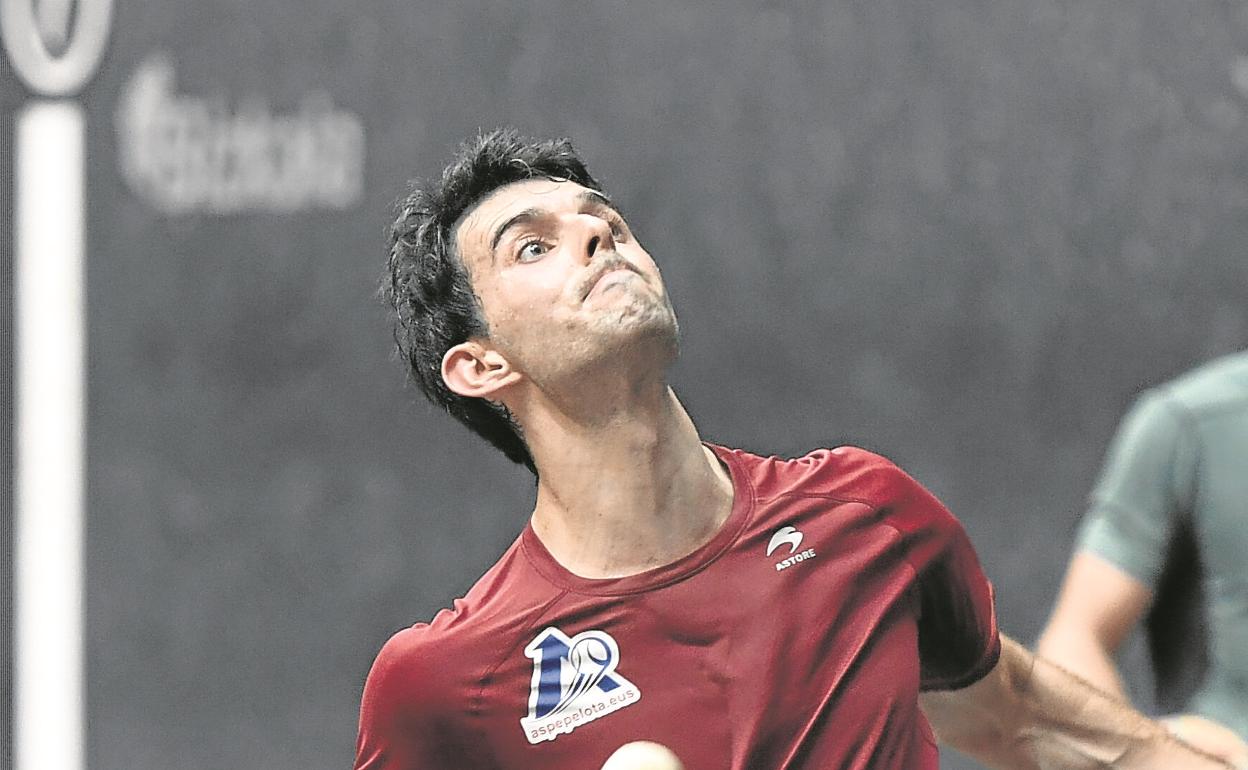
428 654
420 680
1212 388
497 604
847 473
886 496
413 652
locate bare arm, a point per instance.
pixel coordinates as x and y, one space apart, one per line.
1097 607
1029 713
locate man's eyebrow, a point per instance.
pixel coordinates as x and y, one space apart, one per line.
588 198
595 198
521 218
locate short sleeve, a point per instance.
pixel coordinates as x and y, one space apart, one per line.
407 713
1144 488
958 638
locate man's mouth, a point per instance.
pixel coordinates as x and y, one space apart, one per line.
603 273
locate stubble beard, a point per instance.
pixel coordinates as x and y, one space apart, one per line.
631 339
645 328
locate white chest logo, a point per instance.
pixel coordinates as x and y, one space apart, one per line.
784 535
793 538
575 681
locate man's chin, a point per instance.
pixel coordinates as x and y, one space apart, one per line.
654 328
638 318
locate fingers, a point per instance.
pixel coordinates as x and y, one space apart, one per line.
1210 737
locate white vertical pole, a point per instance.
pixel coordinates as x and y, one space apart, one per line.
49 451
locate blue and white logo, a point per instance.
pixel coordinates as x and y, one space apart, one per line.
575 681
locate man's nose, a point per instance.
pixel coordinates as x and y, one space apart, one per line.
598 237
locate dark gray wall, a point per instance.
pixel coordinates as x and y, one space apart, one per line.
962 234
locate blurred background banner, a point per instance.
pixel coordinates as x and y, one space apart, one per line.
961 234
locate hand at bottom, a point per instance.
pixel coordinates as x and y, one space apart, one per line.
1210 737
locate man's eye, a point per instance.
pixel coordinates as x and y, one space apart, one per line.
532 250
618 231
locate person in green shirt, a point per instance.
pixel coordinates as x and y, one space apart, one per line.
1177 471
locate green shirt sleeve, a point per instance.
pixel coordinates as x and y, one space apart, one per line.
1145 487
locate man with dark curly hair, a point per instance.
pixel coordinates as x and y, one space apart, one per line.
748 612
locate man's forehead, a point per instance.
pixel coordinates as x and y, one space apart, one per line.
514 197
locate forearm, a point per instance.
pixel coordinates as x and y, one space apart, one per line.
1031 714
1078 651
1061 721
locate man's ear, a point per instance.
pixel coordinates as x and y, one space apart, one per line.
470 369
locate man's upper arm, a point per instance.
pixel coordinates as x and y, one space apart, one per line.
1097 598
957 625
1146 485
975 718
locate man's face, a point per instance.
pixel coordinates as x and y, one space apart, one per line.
563 282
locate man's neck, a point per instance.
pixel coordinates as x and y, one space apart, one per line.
631 490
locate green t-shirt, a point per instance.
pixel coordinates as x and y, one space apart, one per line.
1182 451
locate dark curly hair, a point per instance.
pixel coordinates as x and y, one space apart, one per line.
426 284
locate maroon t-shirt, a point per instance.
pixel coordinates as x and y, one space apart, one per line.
798 637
